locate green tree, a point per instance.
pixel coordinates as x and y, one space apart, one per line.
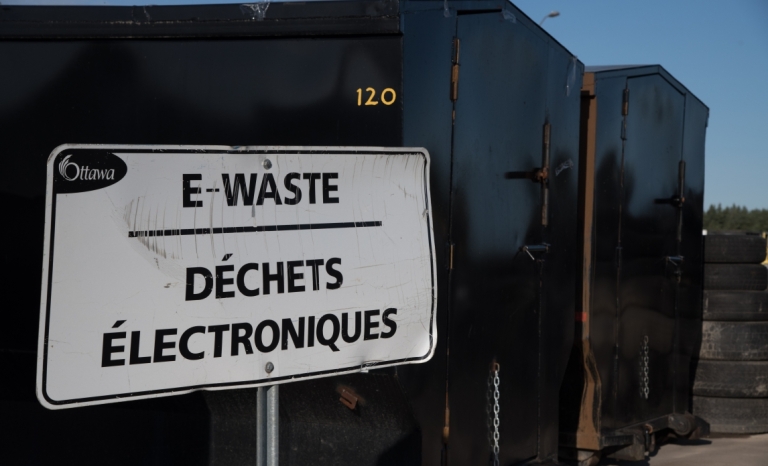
735 218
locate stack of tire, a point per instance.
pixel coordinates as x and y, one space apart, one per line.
730 388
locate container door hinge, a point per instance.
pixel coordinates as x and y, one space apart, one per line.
625 103
455 70
450 256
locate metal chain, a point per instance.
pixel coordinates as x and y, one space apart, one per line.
644 372
492 409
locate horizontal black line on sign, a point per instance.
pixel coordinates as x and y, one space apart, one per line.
223 230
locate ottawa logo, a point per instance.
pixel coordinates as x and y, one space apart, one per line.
71 171
81 170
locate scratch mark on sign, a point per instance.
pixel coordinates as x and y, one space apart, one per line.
194 224
155 245
165 205
210 222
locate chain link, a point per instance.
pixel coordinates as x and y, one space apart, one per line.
644 372
492 409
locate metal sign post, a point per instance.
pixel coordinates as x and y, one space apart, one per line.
268 426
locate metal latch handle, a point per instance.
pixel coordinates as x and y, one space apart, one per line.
539 175
544 247
676 260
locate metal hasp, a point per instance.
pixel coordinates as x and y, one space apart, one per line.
638 309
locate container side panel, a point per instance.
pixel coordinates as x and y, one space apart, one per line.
169 431
689 301
648 280
559 284
427 123
500 116
604 306
266 91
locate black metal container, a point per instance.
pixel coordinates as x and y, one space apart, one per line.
639 302
493 98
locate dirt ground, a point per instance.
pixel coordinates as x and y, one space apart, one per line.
717 450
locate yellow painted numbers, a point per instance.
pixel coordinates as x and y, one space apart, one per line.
387 96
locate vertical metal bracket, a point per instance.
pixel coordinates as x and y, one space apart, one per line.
624 113
625 103
545 178
680 198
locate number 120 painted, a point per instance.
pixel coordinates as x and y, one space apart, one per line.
387 96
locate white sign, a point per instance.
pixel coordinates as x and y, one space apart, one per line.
175 268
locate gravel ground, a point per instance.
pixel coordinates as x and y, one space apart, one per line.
718 450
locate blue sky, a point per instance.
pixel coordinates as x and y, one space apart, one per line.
718 50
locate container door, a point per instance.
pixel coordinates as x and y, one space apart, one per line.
692 247
649 251
500 117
